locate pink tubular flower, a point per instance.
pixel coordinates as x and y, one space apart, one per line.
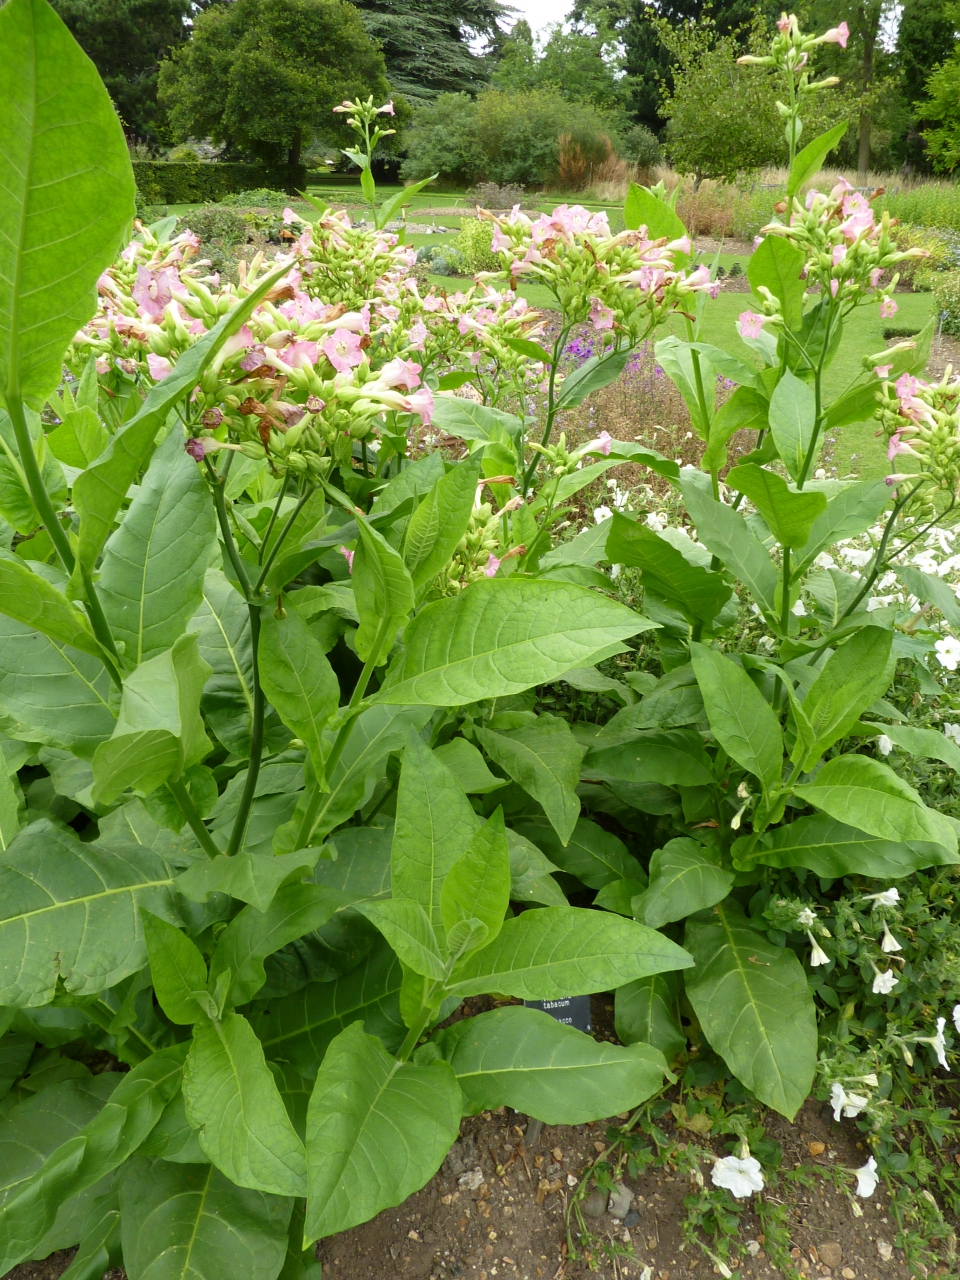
491 567
159 367
783 23
834 288
839 253
401 373
417 336
386 109
348 555
751 325
103 365
836 35
299 353
875 275
888 308
421 402
881 370
289 216
601 317
343 350
602 444
152 291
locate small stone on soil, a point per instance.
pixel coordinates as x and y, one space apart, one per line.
621 1198
595 1204
831 1255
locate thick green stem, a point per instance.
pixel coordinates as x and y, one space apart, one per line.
256 739
531 471
414 1034
785 601
192 815
818 410
220 506
878 559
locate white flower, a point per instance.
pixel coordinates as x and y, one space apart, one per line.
740 1177
937 1043
948 652
825 561
655 521
886 582
601 513
817 955
952 731
888 898
883 983
820 474
867 1178
956 1016
806 917
768 643
888 942
925 562
884 744
799 610
857 557
848 1104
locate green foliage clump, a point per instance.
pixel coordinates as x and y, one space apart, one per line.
499 136
929 204
474 245
165 182
257 198
940 246
263 74
642 146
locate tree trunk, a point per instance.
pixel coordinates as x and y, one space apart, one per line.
293 154
871 29
863 146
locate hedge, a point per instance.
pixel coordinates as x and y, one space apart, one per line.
170 182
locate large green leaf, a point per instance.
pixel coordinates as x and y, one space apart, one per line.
406 926
222 623
52 693
524 1059
864 793
644 210
932 591
232 1098
32 1130
377 1130
928 744
792 416
851 511
672 757
38 605
754 1006
189 1222
99 492
16 501
435 825
477 886
739 715
383 589
807 162
66 195
440 521
101 1146
377 732
554 952
100 1242
159 732
789 515
746 410
468 767
544 758
645 1011
592 375
593 855
151 578
298 679
471 421
699 593
80 439
778 265
501 636
725 533
831 849
300 1027
685 877
852 679
70 910
251 877
178 970
252 935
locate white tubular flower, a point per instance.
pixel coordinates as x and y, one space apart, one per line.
806 918
948 652
742 1178
817 955
867 1179
937 1043
888 898
846 1104
883 983
956 1016
888 942
884 744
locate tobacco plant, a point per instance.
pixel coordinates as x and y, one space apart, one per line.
277 799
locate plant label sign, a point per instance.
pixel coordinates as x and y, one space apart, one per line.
572 1011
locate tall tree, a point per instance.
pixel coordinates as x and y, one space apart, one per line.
427 44
647 62
264 75
126 39
581 65
926 38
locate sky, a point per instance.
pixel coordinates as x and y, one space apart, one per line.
541 12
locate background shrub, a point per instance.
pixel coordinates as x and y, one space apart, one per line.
490 195
946 294
259 198
501 137
640 145
473 245
168 182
